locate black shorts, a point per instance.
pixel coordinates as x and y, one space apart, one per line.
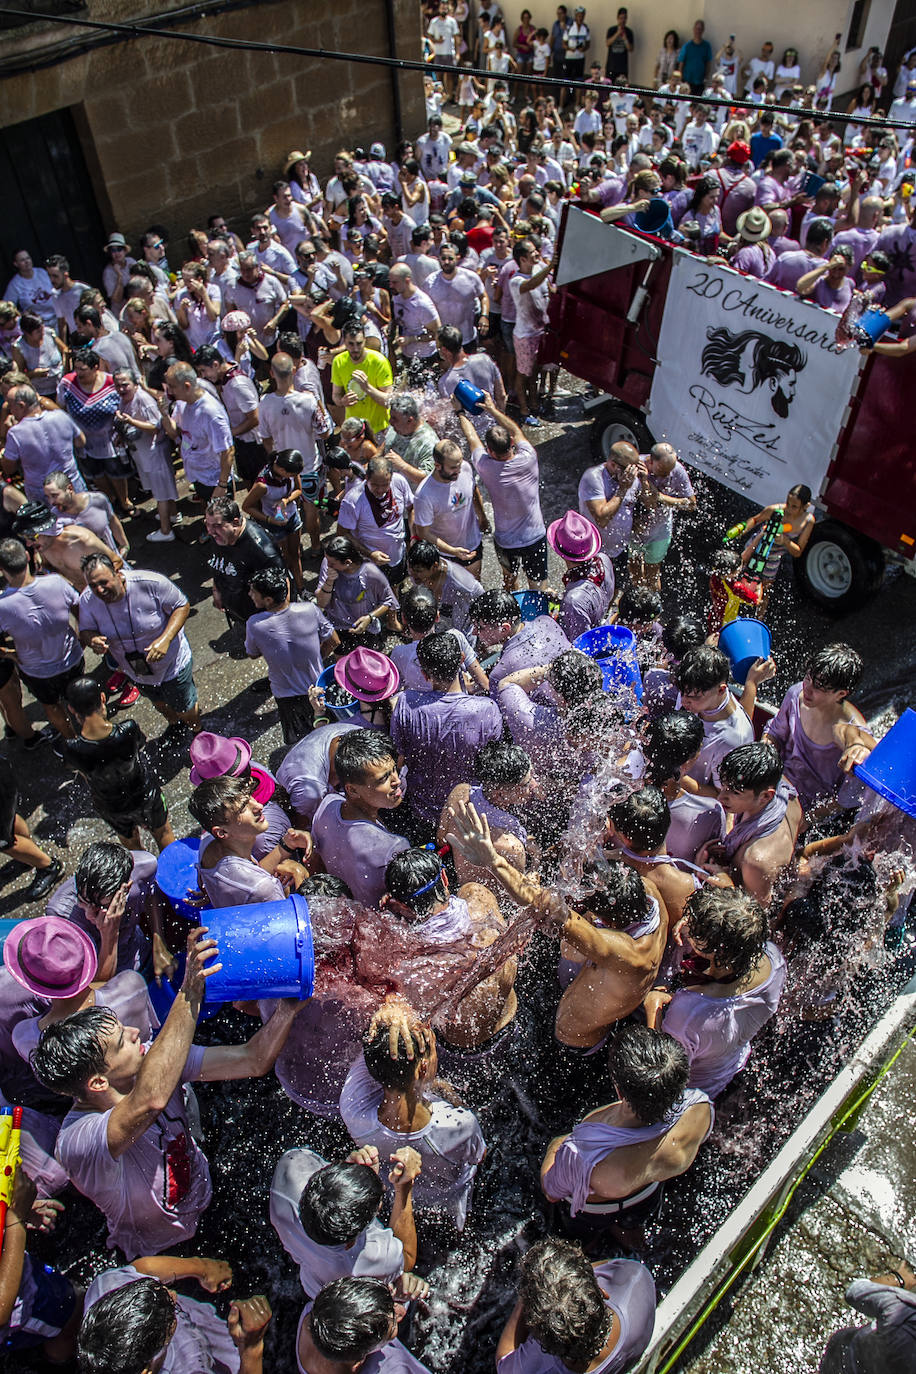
9 804
249 459
587 1224
466 562
49 691
205 493
151 812
296 718
7 669
532 557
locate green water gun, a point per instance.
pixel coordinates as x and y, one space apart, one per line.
775 526
742 525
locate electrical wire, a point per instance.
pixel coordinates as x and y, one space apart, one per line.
142 29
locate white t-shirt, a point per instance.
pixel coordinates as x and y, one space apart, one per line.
443 30
204 428
530 306
448 508
513 488
376 1253
451 1144
293 421
757 67
356 515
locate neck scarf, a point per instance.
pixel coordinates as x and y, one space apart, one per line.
383 508
593 571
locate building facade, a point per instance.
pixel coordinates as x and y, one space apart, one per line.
101 131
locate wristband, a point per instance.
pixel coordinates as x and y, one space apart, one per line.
286 849
321 720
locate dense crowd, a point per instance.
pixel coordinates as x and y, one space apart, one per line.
459 774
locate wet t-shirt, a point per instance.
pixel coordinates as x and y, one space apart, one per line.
658 523
41 444
451 1144
513 486
721 737
118 775
96 517
695 821
154 1193
447 509
204 434
233 564
201 1343
586 604
133 623
357 851
597 484
459 589
376 1253
439 735
305 772
290 642
536 644
37 616
234 881
404 658
629 1291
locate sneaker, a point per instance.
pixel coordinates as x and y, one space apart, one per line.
127 698
177 519
531 422
44 880
115 683
160 537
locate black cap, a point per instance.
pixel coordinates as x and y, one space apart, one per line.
34 518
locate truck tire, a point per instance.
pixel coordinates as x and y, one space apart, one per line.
617 421
839 569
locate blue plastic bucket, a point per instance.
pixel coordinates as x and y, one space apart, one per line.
812 183
613 647
163 994
5 928
890 769
265 949
744 640
532 604
176 876
656 220
350 707
468 396
871 325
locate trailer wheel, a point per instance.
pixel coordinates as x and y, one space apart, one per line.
839 569
617 422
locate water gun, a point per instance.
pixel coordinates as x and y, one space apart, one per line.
10 1136
756 563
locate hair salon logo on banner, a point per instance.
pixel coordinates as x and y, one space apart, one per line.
750 386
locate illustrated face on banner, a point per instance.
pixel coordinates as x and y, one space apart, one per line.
751 387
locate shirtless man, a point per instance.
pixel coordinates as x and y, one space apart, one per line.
609 1173
418 892
767 818
636 830
505 786
818 733
618 965
64 550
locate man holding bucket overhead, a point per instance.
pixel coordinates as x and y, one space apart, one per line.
126 1144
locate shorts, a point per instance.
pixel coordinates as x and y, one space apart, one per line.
52 1307
653 551
205 493
9 804
292 526
49 691
178 692
444 61
115 465
396 572
466 562
593 1219
526 353
7 669
532 557
249 460
152 813
296 718
507 330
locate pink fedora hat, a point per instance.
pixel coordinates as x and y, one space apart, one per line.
367 675
214 756
574 538
50 956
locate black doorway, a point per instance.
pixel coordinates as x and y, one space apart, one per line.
50 205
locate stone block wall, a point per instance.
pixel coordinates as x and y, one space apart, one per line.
174 131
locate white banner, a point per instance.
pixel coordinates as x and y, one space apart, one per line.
750 387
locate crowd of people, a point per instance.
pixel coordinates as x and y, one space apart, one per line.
458 778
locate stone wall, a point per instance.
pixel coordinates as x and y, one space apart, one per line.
174 131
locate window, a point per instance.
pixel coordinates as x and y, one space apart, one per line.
857 24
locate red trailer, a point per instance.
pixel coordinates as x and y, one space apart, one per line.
748 384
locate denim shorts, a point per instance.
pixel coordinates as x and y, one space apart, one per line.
179 691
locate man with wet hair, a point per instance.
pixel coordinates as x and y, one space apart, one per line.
768 816
670 747
453 586
582 1315
819 734
234 820
732 978
103 868
702 678
530 644
420 615
608 1175
637 829
389 1099
134 1323
354 1319
503 790
350 838
326 1215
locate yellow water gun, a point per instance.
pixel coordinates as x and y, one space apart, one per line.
10 1158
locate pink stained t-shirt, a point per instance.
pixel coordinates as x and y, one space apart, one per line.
154 1193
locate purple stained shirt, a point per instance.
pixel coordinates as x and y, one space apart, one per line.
277 825
861 241
899 243
356 517
152 1195
234 881
458 591
812 769
536 644
658 523
37 616
96 517
513 486
305 772
833 298
695 821
357 851
133 623
790 267
721 737
585 605
628 1290
439 734
19 1083
404 658
480 370
133 945
754 259
354 595
597 484
41 444
290 642
783 244
201 1343
535 726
